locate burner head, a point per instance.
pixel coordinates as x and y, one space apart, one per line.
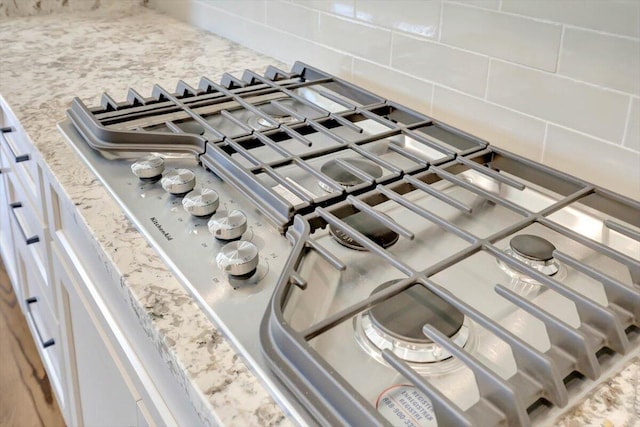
276 113
191 127
404 315
367 225
342 176
532 247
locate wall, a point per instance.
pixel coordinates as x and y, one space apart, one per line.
555 81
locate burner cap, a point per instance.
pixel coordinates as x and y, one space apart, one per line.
191 127
342 176
367 225
532 247
404 315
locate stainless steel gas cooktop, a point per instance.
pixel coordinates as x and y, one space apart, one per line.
371 265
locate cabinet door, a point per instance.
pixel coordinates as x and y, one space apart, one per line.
104 396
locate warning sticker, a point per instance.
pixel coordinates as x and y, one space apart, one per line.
406 406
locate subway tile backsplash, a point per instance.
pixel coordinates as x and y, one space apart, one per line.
552 80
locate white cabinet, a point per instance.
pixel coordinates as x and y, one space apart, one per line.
104 394
6 235
104 366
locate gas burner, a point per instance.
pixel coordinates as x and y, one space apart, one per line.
535 252
344 177
396 324
275 113
367 225
191 127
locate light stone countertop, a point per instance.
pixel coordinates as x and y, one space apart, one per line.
47 60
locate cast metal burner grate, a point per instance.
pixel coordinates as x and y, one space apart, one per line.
285 140
536 273
536 198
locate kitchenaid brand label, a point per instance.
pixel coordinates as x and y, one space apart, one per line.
406 406
166 235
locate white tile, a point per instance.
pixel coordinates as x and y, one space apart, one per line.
604 164
269 41
515 132
328 60
412 16
338 7
441 64
487 4
509 37
249 9
358 39
614 16
393 85
293 19
602 59
558 99
632 139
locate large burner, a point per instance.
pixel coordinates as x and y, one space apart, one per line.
344 177
374 230
396 324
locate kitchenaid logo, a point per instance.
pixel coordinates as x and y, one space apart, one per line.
159 227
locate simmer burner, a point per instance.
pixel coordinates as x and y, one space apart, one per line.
532 247
396 324
374 230
342 176
537 253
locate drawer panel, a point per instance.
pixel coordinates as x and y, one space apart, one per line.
21 157
28 229
42 322
6 233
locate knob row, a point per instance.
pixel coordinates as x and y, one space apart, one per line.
199 202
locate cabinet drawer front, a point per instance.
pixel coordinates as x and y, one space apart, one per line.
6 234
21 158
28 229
42 322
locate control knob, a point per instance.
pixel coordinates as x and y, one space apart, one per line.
228 227
201 202
238 259
178 181
148 167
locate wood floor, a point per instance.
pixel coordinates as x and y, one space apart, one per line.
26 397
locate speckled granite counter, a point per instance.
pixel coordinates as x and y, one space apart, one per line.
49 59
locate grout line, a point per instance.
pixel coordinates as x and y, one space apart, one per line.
544 142
433 97
627 122
393 35
486 82
353 68
500 5
440 21
560 47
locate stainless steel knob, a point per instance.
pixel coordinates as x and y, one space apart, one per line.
228 227
178 181
239 258
201 202
148 167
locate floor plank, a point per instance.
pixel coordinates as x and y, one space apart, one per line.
26 397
